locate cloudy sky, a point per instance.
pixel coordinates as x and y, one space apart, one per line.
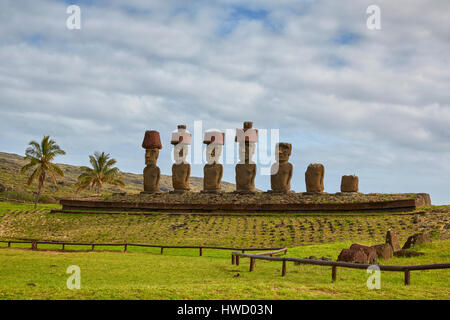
375 103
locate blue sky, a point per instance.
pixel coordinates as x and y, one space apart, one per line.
365 102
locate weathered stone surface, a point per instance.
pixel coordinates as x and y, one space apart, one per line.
349 183
246 138
423 199
151 140
407 253
384 250
152 176
354 256
314 178
245 177
212 177
416 239
392 239
181 176
370 252
281 171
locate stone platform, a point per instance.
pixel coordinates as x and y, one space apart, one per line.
258 202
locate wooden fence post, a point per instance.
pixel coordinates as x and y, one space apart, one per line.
9 244
201 252
33 245
232 258
237 260
407 277
63 246
162 250
333 273
252 264
283 271
93 247
125 248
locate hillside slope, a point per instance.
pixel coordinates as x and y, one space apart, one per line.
13 184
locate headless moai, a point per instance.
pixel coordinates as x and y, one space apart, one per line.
213 170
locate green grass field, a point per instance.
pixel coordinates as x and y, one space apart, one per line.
143 273
182 274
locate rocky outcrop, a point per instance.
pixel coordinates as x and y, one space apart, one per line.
416 239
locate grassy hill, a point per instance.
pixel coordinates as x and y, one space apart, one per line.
13 184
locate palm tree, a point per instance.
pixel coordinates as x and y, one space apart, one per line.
102 171
40 157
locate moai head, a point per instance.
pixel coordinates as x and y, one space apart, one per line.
214 141
283 150
151 144
181 139
247 138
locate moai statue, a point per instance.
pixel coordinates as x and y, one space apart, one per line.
314 177
213 170
281 171
181 170
246 168
152 174
349 183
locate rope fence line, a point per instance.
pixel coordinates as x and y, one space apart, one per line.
334 264
35 243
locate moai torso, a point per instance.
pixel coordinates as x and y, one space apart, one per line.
151 178
246 168
180 176
212 176
281 180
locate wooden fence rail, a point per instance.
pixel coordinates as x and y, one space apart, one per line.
334 264
35 243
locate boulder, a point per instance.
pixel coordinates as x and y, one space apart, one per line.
384 250
370 252
353 255
416 239
407 253
392 239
